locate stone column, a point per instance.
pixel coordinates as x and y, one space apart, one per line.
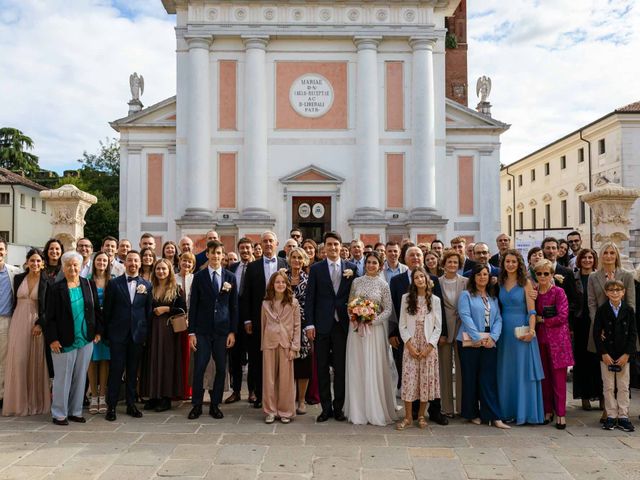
424 133
611 207
367 180
255 128
198 130
68 206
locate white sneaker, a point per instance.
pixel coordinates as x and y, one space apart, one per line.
270 419
93 405
285 419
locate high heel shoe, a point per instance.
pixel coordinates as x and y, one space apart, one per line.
501 425
547 421
559 425
476 421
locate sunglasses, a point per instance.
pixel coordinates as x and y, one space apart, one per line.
543 274
573 241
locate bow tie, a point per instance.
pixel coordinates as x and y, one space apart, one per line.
270 260
132 279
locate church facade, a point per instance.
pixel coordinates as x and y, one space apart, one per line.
323 115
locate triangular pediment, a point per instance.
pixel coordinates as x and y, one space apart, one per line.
161 114
312 174
459 117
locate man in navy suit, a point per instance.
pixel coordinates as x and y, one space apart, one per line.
127 307
213 322
255 285
399 285
481 256
327 321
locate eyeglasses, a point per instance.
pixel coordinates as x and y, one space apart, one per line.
482 253
573 241
543 274
615 290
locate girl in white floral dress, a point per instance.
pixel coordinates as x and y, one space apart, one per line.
420 327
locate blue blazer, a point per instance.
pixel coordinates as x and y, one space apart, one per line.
211 312
122 317
322 302
471 311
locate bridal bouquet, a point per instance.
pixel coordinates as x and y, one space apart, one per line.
362 312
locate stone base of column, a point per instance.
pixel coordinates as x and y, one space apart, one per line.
367 215
253 215
425 217
197 215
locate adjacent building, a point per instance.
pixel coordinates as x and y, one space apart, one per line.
541 191
24 216
326 115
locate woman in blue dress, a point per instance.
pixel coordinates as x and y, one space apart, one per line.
99 366
519 366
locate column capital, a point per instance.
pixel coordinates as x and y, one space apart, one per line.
255 41
367 43
198 41
422 43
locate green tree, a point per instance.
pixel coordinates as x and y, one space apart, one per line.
13 154
100 176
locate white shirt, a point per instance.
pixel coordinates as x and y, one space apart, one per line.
219 272
269 268
132 286
86 269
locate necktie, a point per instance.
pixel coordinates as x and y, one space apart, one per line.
216 284
244 269
335 277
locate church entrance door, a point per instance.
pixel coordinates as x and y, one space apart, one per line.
312 215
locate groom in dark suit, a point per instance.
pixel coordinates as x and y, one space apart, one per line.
255 286
213 322
327 321
127 306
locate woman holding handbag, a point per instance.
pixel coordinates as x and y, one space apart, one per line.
165 373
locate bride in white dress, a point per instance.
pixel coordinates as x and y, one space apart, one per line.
371 377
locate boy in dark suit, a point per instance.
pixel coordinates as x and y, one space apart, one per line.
127 307
213 322
614 333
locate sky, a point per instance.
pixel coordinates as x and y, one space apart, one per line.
555 65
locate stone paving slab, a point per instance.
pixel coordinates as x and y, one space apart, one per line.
241 446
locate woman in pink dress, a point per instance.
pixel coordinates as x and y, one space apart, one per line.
26 387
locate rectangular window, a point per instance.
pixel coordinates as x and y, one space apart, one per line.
44 206
509 185
33 203
521 220
533 174
533 218
5 198
547 215
601 147
509 225
520 180
563 212
583 211
22 200
547 168
563 162
580 155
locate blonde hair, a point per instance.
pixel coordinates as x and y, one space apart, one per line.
302 253
606 245
170 287
544 264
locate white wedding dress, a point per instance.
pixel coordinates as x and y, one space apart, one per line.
371 378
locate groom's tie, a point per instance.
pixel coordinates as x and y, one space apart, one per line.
335 277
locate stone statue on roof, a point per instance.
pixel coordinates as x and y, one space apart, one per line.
483 88
136 83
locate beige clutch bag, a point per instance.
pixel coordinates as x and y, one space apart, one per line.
521 331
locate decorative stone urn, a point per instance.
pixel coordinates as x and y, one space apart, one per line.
611 205
68 206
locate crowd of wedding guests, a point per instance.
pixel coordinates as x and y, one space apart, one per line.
445 329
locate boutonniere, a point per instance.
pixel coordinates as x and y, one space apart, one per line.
558 278
142 290
226 286
348 273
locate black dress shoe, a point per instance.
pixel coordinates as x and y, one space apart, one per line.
257 404
62 422
339 416
164 405
133 411
195 412
111 414
440 419
73 418
323 417
215 412
151 404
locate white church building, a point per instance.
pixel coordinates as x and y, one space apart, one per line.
323 115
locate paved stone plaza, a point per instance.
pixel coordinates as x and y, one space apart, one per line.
241 446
